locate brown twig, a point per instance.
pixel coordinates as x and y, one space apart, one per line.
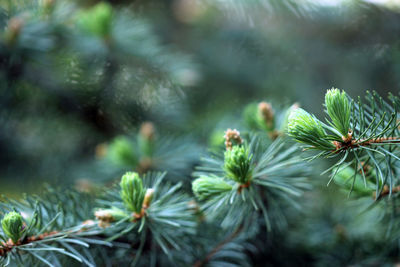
6 247
349 143
201 263
241 186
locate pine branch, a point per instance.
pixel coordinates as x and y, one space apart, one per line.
369 132
140 209
236 192
39 233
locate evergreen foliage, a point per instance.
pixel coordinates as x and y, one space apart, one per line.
371 136
149 175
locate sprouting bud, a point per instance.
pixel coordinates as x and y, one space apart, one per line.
289 111
148 198
121 152
146 139
109 215
338 108
147 130
206 187
267 114
48 5
307 129
13 226
237 164
97 20
14 28
132 191
232 137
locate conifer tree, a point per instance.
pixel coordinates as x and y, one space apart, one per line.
148 176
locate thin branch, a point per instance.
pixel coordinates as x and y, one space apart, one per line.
201 263
340 146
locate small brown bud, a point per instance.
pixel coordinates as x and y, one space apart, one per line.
104 216
267 113
147 130
148 197
14 28
232 136
349 137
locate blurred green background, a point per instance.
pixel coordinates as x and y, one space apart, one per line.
76 74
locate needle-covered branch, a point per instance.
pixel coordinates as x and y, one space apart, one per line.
356 132
243 184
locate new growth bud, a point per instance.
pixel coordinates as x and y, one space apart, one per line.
147 130
206 187
307 129
338 108
132 192
267 114
13 226
13 30
287 115
232 137
148 198
121 152
237 164
146 139
97 20
106 216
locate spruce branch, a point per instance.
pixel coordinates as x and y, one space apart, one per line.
234 188
41 232
150 208
357 132
141 210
